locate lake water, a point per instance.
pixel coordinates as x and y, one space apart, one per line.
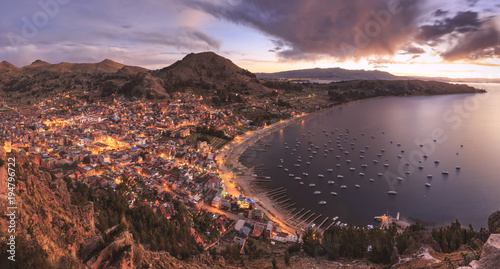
466 130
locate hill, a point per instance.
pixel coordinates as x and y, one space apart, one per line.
333 74
209 71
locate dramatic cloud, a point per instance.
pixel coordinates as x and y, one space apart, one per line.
316 28
483 43
440 12
462 22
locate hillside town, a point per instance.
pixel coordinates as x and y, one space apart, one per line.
153 153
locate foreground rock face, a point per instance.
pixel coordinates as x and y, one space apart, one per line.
494 222
490 257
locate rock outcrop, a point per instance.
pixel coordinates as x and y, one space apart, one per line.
494 222
490 256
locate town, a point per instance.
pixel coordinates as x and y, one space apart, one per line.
152 153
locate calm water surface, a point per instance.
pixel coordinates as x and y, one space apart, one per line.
467 133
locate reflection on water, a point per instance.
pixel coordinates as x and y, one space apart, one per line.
457 130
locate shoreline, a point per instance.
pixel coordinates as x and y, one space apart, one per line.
232 151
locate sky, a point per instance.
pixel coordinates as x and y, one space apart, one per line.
446 38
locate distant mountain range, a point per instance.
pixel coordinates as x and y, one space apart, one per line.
339 74
333 74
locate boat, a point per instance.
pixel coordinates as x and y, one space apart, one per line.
445 172
321 203
314 152
290 175
362 151
321 175
364 165
305 174
286 147
338 165
429 176
338 157
361 174
392 192
348 161
371 180
329 170
367 147
380 174
436 161
297 178
343 187
407 164
346 152
425 156
361 156
280 166
331 182
308 163
379 155
400 178
427 184
421 167
301 183
399 145
407 172
375 161
317 192
352 168
386 165
357 186
383 150
297 165
340 176
458 167
399 156
312 185
286 169
333 193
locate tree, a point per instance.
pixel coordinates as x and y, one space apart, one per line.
274 262
287 258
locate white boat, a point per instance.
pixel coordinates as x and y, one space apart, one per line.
427 184
348 161
407 172
331 182
375 161
308 163
421 167
333 193
383 150
317 192
367 147
297 165
379 155
321 203
346 152
321 175
338 157
361 156
343 187
290 175
314 152
286 147
429 176
329 170
352 168
364 165
301 183
399 156
392 192
305 174
400 178
380 174
361 174
340 176
338 165
297 178
445 172
362 151
357 186
371 180
280 166
386 165
286 169
312 185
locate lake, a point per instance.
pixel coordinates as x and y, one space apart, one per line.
456 130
